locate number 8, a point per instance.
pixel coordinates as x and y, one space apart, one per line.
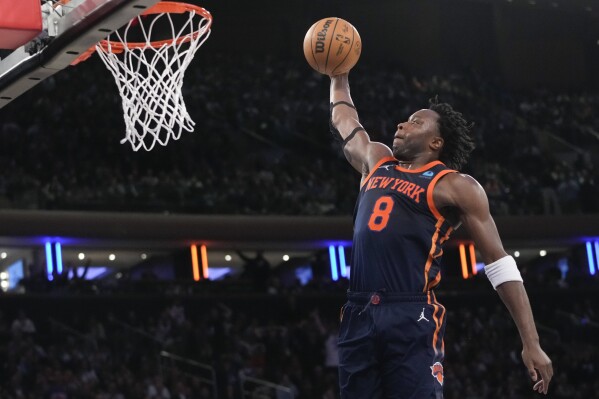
380 213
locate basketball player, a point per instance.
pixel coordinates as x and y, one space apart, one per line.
411 198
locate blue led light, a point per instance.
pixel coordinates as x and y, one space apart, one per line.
58 250
49 262
342 265
590 258
333 260
596 257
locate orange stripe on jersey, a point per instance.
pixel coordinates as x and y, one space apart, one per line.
429 192
431 254
439 324
446 236
375 167
435 282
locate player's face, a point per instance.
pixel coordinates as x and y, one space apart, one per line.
413 137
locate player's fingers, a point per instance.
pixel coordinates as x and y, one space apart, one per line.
532 372
538 386
546 374
541 387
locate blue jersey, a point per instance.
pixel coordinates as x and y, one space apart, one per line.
398 232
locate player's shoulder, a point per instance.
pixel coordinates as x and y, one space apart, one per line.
461 180
378 154
457 187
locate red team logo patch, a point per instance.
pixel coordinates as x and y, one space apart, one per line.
437 372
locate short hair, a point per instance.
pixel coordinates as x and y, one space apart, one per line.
455 131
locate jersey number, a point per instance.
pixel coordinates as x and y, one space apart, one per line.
380 213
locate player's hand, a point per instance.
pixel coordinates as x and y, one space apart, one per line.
340 75
537 362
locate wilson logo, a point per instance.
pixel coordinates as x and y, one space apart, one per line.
437 372
322 35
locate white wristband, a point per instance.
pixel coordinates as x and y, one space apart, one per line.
502 270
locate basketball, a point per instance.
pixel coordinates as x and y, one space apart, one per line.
332 46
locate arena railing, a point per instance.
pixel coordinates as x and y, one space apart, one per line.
255 388
204 373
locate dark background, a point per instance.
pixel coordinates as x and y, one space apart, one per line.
526 46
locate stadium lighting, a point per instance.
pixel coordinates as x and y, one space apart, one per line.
58 250
472 259
463 261
333 261
342 265
49 261
204 255
590 258
195 266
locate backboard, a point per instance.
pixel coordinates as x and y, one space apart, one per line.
68 31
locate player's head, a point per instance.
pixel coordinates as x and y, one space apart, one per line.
439 131
418 137
455 131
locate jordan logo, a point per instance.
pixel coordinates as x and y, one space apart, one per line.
422 316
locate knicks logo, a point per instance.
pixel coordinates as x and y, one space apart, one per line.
437 372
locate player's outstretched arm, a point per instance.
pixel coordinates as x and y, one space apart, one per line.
469 197
539 366
360 152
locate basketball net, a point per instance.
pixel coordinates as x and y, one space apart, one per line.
149 74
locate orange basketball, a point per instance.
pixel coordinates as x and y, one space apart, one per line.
332 46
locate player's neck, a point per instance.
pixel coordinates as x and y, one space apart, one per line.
416 163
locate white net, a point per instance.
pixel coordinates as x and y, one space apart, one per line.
150 79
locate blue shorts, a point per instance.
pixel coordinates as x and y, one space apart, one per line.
391 346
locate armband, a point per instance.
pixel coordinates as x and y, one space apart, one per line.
502 270
336 133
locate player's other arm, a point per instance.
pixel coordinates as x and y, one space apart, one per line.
469 197
360 152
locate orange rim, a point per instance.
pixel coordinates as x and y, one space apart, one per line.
169 7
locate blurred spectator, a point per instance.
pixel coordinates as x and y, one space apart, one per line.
293 348
262 145
22 325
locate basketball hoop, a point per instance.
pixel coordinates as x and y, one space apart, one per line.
149 73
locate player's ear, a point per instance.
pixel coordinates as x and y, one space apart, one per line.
436 143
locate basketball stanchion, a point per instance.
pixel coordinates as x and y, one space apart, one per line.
149 72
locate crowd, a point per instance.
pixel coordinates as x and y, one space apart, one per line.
113 352
262 145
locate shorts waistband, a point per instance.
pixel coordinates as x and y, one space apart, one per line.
378 297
